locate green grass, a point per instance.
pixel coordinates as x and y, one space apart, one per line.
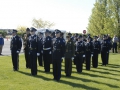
102 78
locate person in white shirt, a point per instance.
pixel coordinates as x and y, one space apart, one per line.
115 40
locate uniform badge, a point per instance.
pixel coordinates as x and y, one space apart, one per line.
48 38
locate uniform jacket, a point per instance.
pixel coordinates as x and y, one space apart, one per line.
96 47
15 44
80 47
33 43
89 47
26 42
105 45
58 48
69 49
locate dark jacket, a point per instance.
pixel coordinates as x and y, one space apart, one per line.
69 49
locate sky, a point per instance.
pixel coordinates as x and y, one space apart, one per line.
69 15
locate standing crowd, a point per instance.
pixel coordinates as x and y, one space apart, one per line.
52 48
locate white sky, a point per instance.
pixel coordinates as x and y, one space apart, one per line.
70 15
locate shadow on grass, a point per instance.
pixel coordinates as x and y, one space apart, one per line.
97 82
105 72
78 85
37 76
110 69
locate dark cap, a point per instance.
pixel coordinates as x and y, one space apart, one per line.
80 36
57 31
47 31
76 34
69 34
95 37
32 29
104 36
14 31
27 29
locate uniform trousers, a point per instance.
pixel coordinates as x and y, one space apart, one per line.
15 60
104 57
68 66
57 69
33 58
95 59
79 62
27 58
88 60
47 57
40 59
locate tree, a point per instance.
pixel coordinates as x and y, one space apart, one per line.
21 29
39 23
97 19
105 17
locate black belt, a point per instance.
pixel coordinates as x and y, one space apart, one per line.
56 49
80 52
32 48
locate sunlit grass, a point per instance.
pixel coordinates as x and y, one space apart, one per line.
102 78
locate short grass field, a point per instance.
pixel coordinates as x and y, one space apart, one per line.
101 78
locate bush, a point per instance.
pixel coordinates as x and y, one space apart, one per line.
3 33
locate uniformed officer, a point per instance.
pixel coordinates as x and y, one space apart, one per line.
15 47
62 38
84 40
40 44
80 49
75 41
88 53
96 51
69 55
33 46
58 53
104 50
110 46
47 51
26 48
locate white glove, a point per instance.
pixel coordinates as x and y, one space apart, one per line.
41 51
50 52
38 54
83 55
72 58
62 57
92 55
17 52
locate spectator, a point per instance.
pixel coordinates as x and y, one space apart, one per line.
1 43
115 40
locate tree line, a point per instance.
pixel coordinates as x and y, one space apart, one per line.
105 18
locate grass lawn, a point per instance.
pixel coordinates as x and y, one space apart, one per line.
102 78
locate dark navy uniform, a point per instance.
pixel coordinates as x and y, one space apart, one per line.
15 47
96 51
110 46
26 49
33 45
40 57
58 53
80 50
89 51
47 51
104 51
